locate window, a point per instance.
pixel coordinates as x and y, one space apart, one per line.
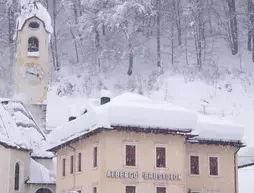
213 166
95 157
130 189
17 175
33 44
194 165
94 189
34 25
160 189
130 155
160 157
63 166
71 164
79 162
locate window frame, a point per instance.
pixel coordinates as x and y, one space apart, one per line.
161 186
79 165
33 37
158 145
199 168
130 185
131 143
97 162
63 167
32 28
72 165
218 163
17 188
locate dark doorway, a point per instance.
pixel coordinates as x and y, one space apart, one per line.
43 190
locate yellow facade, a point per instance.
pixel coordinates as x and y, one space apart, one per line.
35 90
111 158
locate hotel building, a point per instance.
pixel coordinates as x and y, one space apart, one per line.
99 152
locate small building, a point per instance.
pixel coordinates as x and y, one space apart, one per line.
25 164
133 144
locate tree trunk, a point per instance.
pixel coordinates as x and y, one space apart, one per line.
76 46
11 20
131 59
250 26
97 45
54 43
158 26
176 7
252 35
233 26
172 44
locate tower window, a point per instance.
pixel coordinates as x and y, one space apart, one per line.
33 44
34 25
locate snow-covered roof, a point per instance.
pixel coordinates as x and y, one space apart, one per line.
30 10
130 109
39 174
246 157
19 130
136 110
93 119
210 128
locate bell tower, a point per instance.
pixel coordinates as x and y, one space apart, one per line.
32 65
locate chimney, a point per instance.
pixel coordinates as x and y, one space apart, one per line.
105 96
72 113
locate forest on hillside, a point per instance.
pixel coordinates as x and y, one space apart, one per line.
98 35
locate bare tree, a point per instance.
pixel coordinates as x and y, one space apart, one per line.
233 26
53 43
158 27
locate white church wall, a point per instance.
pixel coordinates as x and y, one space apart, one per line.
22 157
4 169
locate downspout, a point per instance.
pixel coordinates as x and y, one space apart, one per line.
235 166
74 167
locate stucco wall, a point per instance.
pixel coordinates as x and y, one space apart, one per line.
35 93
111 156
22 157
111 148
204 183
82 180
4 169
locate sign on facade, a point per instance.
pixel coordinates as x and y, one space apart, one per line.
144 175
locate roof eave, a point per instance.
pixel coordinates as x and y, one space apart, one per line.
245 165
237 144
182 132
32 17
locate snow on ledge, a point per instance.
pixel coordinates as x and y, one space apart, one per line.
105 93
215 129
33 54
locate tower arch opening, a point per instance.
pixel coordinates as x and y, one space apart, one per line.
33 44
43 190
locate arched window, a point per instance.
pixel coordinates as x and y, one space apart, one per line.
34 25
17 175
33 44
